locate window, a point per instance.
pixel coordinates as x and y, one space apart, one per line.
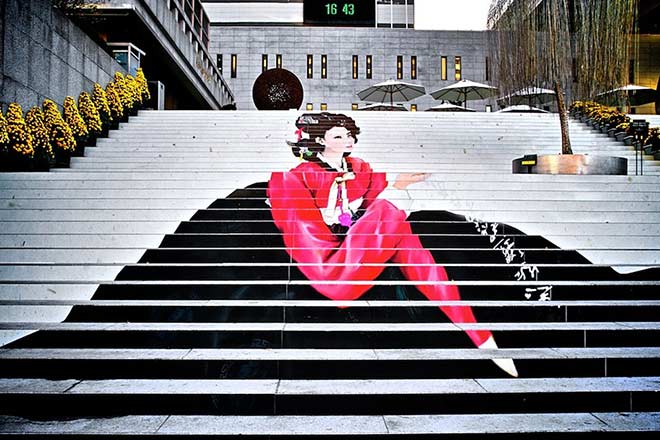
354 106
399 67
457 68
355 67
218 62
489 108
487 69
413 107
631 72
324 66
278 60
324 106
264 63
413 67
369 67
310 66
309 106
443 68
234 65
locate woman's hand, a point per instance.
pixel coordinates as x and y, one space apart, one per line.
404 179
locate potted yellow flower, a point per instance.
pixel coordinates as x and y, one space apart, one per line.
115 105
59 133
4 141
44 157
101 103
19 145
143 86
90 116
125 95
77 125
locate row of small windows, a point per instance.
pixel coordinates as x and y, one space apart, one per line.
458 72
354 106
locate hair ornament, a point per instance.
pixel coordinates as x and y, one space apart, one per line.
308 119
300 134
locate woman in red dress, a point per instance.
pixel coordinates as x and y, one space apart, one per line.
338 225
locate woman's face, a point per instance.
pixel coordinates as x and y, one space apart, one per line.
337 140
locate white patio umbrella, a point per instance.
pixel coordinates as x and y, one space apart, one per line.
522 108
632 95
382 106
465 90
448 107
529 96
392 91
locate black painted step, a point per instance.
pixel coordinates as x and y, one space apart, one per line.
264 397
269 367
247 290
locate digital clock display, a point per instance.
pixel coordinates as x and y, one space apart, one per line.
339 12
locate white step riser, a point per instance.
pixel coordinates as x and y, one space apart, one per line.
17 196
505 216
520 203
64 174
150 227
646 190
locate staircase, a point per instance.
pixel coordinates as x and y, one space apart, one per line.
146 291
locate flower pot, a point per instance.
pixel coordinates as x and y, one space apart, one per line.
42 163
12 162
62 158
570 164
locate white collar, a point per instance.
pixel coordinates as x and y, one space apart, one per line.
342 168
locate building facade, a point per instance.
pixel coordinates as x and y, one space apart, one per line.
333 63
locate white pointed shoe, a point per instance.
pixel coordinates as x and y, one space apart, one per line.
505 364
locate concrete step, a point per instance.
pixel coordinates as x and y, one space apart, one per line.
417 194
326 327
222 186
262 426
349 397
339 355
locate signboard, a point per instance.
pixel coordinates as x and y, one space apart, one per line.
352 13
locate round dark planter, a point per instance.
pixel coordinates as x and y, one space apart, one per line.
14 163
570 164
62 158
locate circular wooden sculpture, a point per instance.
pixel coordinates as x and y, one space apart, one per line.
277 89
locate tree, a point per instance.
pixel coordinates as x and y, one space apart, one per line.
551 43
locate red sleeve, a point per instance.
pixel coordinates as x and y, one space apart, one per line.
377 181
299 219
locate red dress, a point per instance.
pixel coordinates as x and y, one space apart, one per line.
355 259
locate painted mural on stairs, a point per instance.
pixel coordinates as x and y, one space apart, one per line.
332 227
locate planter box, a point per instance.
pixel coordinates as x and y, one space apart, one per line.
620 135
570 164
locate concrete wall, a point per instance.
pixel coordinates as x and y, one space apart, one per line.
44 55
340 44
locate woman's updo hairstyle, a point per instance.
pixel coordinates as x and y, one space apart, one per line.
314 125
